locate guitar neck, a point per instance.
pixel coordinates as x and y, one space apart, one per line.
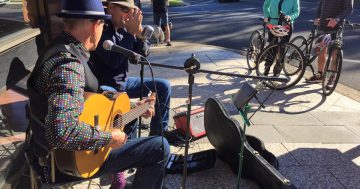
132 115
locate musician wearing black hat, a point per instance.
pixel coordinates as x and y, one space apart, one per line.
56 93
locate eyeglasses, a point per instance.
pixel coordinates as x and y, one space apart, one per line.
123 8
101 22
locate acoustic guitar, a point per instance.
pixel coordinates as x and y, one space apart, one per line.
104 114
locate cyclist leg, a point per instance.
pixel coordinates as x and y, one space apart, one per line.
269 61
285 39
317 78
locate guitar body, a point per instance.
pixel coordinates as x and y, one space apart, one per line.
87 163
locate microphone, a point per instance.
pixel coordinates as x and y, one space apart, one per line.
134 57
147 32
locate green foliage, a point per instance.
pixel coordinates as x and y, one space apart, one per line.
175 3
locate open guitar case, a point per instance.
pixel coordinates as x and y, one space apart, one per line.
224 133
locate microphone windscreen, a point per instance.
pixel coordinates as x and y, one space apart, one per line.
107 45
147 31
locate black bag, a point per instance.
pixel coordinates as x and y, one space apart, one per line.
196 162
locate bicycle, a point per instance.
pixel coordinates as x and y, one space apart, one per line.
256 45
281 57
332 68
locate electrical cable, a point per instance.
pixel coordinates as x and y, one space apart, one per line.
159 114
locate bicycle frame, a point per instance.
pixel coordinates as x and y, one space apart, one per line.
308 48
337 42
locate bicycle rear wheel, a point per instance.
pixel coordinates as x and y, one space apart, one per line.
332 70
255 46
291 61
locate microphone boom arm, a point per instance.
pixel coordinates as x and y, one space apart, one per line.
278 79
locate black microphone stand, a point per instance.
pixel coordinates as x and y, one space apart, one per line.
141 95
192 66
137 60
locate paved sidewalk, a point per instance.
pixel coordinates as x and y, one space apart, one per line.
315 139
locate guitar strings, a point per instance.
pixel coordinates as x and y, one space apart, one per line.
131 115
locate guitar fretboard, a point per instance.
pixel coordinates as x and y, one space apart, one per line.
131 115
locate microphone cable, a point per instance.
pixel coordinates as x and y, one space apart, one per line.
159 114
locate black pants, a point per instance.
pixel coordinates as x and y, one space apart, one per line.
269 62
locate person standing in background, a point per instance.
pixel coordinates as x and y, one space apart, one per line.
271 10
328 16
161 17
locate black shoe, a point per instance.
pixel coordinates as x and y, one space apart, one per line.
317 78
168 44
144 126
267 70
173 136
277 70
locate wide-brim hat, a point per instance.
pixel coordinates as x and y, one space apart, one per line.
126 3
83 9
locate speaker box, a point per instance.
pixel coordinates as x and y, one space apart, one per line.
197 129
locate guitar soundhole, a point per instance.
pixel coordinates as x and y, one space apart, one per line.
117 121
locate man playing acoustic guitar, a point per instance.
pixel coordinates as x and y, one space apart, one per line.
57 103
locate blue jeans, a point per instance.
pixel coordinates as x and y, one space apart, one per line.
133 87
145 154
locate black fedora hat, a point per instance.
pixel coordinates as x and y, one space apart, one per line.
83 9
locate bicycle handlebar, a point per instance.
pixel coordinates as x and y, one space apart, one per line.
282 19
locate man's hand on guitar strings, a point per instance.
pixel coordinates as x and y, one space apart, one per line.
118 138
150 112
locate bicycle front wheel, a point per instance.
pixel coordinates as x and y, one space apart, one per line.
281 60
300 42
332 70
255 46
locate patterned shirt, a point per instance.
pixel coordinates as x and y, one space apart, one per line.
62 81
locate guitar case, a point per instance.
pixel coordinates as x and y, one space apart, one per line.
224 133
